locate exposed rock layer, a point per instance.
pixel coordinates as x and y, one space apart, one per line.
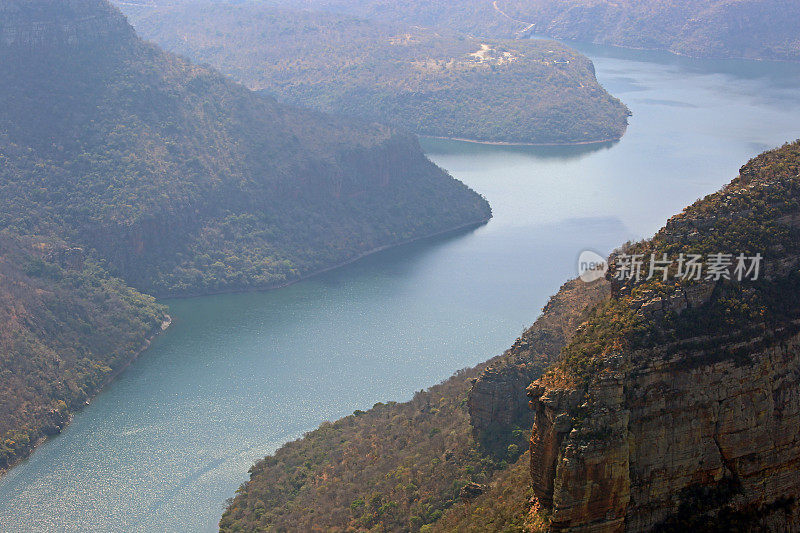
663 426
33 24
677 407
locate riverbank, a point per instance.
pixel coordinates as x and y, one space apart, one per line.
168 320
506 143
373 251
165 324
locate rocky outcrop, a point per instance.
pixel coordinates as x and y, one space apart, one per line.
676 406
497 401
665 439
470 491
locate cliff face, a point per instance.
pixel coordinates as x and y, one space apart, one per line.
672 440
684 414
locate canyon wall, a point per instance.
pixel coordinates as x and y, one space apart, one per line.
668 438
676 405
497 400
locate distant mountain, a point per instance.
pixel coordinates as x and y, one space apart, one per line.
658 405
750 29
121 162
431 82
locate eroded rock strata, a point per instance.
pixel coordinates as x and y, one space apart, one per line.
676 407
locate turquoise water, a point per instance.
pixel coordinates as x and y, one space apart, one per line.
237 375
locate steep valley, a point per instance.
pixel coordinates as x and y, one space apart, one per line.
666 406
239 374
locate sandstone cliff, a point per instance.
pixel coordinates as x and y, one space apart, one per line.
676 406
671 440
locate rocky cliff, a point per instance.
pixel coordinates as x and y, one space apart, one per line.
675 440
675 407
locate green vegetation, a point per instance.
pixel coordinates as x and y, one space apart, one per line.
755 213
123 165
430 82
396 467
505 507
187 183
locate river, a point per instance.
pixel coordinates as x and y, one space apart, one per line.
237 375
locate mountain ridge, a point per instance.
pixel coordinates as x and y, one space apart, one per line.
123 166
432 82
721 29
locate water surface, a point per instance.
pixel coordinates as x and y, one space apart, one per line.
237 375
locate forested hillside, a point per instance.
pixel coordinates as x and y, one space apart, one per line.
186 182
66 327
432 82
751 29
121 165
403 466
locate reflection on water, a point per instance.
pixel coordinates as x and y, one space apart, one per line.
237 375
444 147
